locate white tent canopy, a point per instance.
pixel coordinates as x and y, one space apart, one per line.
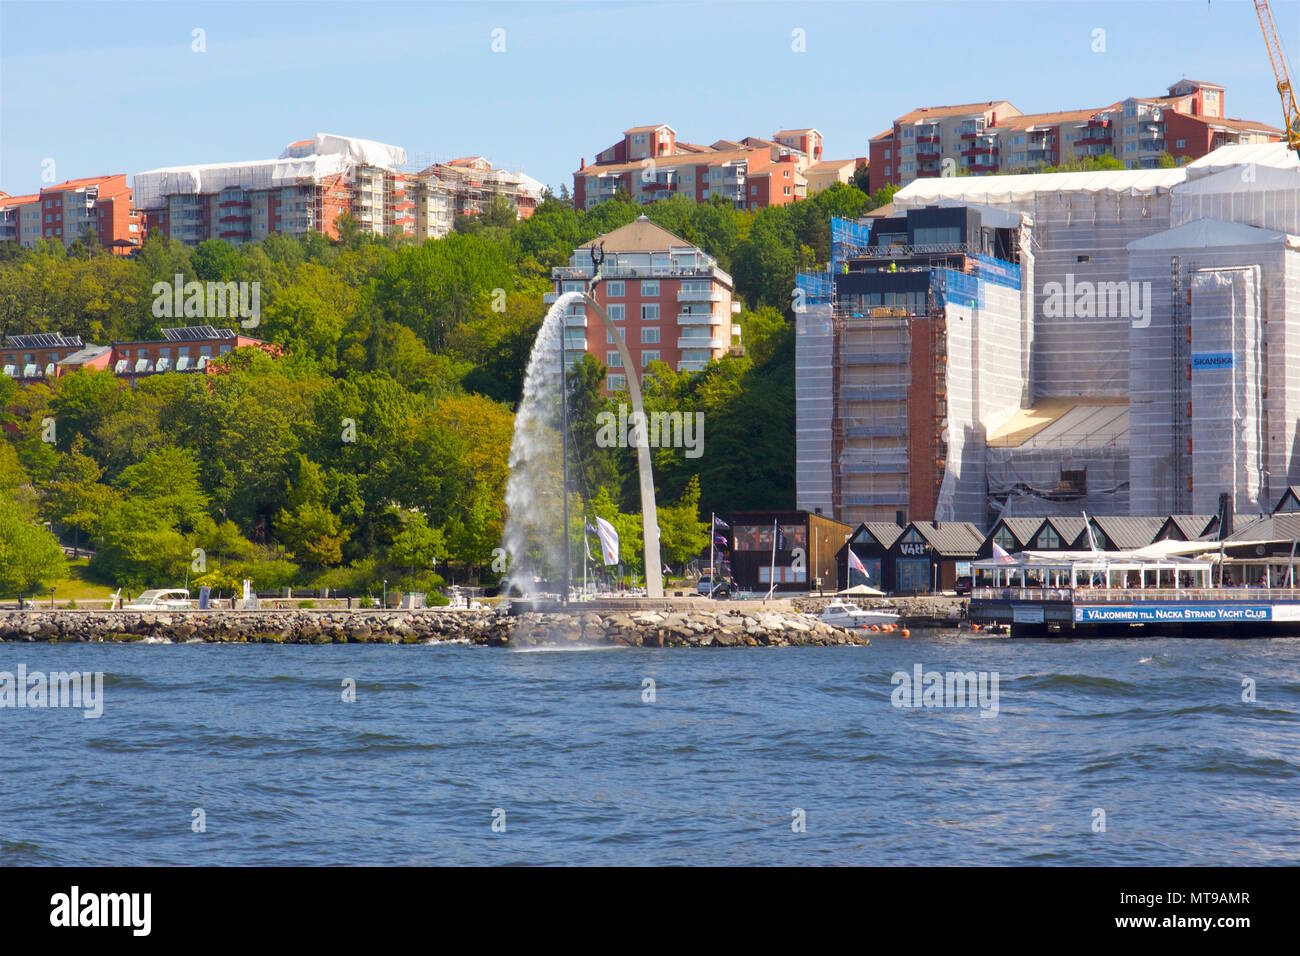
860 590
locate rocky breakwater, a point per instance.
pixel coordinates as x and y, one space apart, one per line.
679 628
249 627
719 627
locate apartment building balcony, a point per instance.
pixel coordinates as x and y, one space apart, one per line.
702 342
692 365
234 204
575 321
699 318
699 295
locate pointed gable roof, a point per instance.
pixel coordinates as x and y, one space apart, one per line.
640 235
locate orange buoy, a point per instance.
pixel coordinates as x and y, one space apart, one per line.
906 633
974 627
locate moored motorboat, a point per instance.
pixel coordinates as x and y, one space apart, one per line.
849 615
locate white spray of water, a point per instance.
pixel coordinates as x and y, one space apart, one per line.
534 508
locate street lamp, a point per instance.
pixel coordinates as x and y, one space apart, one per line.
385 594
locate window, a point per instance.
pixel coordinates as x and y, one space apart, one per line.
615 383
937 235
649 288
1180 144
648 356
1005 540
617 311
614 290
1047 539
613 359
650 336
650 312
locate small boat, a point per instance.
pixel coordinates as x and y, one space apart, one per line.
176 599
848 615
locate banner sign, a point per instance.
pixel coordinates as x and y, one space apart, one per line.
1172 613
1210 361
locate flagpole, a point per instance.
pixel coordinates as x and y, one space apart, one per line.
713 518
771 583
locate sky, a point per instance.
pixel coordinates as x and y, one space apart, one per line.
116 87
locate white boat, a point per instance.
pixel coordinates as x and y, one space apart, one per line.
848 615
175 599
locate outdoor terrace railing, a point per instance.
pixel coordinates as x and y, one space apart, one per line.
1086 595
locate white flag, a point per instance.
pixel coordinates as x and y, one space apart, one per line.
608 540
855 564
1000 555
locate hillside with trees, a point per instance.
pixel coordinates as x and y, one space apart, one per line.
376 446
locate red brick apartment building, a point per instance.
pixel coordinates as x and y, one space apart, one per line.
102 205
43 356
307 188
994 136
669 297
651 163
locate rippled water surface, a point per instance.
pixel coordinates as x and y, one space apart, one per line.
1155 733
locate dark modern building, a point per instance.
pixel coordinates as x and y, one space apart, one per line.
806 545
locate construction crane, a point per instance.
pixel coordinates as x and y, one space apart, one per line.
1290 112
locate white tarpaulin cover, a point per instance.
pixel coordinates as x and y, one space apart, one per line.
364 151
1276 155
1264 196
1212 233
340 154
1010 189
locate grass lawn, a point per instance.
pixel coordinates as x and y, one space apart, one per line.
76 587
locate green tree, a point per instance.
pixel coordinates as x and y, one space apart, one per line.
30 557
313 533
682 535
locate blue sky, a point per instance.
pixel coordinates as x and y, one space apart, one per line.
116 87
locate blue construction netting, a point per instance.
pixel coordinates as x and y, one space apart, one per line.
817 287
848 236
998 271
957 288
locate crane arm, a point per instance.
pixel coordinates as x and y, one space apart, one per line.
1290 112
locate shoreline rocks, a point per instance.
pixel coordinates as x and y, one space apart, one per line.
687 627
